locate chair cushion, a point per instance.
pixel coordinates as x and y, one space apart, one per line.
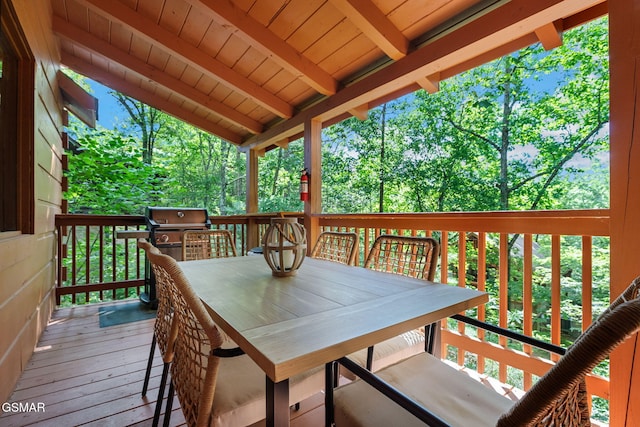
240 399
450 394
388 352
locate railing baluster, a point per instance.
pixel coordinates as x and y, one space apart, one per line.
482 278
587 281
504 296
542 233
73 260
462 279
527 300
87 266
444 256
101 258
556 291
114 256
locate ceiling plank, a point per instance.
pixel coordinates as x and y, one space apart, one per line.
189 53
108 79
375 25
550 35
516 19
270 45
103 48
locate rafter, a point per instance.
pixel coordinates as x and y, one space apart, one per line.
550 35
100 47
265 41
375 25
108 79
430 83
360 112
190 54
517 19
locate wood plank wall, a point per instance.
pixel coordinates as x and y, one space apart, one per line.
27 261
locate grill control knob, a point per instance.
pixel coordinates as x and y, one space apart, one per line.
180 214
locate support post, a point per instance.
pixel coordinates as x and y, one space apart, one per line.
313 164
624 53
253 238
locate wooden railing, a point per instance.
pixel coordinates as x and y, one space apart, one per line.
94 264
538 268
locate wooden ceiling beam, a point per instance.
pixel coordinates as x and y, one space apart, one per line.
360 112
517 19
101 47
284 144
375 25
264 40
190 54
550 35
108 79
430 83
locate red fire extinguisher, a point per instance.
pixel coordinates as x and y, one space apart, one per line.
304 186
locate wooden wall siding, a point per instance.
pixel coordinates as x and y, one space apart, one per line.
27 262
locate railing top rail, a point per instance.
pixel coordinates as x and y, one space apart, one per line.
587 222
88 219
137 220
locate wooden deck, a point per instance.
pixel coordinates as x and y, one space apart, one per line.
82 374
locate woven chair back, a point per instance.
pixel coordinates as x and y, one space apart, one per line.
336 246
194 369
204 244
165 326
560 397
408 256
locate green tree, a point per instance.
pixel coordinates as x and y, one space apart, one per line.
365 155
527 116
279 178
202 171
107 174
148 123
516 133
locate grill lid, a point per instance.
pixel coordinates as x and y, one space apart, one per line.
176 218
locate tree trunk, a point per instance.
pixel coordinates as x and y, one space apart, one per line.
382 158
504 143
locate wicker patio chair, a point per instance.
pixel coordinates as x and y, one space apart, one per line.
408 256
164 328
336 246
216 386
439 395
204 244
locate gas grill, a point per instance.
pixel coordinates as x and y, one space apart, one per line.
166 226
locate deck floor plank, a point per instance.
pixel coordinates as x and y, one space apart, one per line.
91 376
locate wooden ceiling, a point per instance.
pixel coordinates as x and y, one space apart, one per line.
253 72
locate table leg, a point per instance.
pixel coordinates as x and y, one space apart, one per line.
433 337
277 403
331 370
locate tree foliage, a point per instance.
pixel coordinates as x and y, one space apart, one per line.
107 174
511 134
526 131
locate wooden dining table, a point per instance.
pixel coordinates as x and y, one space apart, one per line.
289 325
